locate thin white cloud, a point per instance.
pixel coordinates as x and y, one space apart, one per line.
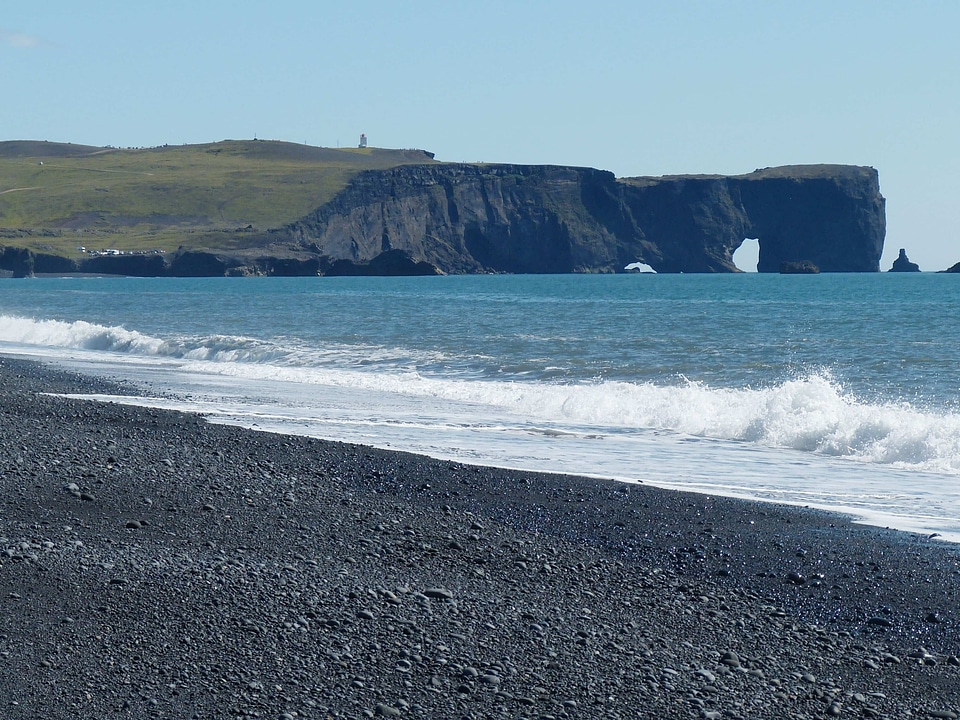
19 40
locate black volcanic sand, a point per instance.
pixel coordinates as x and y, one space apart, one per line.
153 565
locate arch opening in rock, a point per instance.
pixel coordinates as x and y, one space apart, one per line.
747 256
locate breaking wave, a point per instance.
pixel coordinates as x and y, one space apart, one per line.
811 413
81 335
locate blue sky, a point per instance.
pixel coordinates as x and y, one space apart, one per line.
639 88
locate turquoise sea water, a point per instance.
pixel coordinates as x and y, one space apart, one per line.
837 391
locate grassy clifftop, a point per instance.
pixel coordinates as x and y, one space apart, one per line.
833 173
55 197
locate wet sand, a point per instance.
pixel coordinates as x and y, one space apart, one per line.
154 565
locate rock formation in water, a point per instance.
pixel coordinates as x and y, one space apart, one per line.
799 267
903 264
451 218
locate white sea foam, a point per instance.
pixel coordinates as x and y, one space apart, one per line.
80 334
812 413
221 349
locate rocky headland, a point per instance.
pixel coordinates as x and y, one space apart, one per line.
154 565
403 213
529 219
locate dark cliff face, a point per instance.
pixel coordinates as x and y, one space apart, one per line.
547 219
466 219
834 219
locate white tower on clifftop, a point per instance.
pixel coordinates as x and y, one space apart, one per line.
363 140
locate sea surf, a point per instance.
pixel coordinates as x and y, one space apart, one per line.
837 392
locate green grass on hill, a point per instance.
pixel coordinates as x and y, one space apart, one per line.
208 196
787 172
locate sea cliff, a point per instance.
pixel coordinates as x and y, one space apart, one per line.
437 218
537 219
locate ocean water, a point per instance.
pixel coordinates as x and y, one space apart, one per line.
833 391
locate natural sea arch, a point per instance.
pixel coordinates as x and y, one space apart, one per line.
747 256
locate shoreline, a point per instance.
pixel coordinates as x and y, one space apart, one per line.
930 528
156 565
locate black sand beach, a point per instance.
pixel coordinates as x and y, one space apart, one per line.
153 565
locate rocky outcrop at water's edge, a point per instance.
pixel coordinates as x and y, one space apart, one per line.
799 267
903 264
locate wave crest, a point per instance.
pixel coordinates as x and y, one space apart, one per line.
811 414
808 414
79 334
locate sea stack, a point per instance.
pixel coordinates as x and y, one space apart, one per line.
903 264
